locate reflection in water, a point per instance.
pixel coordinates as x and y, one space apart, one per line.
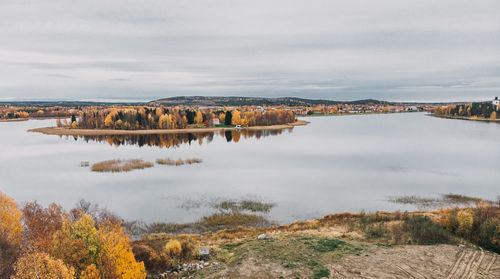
175 140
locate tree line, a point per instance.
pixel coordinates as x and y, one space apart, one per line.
473 110
140 118
27 112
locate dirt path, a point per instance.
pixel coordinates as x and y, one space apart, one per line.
422 262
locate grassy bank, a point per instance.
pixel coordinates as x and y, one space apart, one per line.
312 249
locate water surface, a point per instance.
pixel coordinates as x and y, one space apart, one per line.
334 164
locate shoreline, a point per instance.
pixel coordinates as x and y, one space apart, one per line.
105 132
352 114
465 118
31 118
14 119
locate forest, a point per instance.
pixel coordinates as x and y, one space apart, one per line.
147 118
472 110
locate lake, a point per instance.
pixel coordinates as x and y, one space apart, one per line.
334 164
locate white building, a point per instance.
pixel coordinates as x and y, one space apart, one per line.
495 102
215 121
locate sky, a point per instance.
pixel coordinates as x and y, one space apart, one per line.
111 50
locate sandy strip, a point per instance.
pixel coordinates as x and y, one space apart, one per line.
466 118
101 132
13 119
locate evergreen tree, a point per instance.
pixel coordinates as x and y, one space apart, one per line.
229 118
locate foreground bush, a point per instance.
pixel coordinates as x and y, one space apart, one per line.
425 232
41 266
56 244
479 224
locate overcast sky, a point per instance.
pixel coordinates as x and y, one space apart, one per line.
342 50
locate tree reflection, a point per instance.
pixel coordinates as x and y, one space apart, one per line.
176 140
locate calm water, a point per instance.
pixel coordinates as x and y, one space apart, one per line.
334 164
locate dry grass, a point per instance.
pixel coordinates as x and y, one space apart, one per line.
118 165
178 162
445 200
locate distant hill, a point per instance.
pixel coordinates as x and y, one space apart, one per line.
252 101
65 103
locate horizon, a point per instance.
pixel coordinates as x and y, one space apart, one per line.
336 50
131 100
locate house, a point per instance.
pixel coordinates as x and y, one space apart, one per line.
215 121
495 103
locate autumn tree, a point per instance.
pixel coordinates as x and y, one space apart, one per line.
236 118
10 235
10 220
41 225
77 243
117 259
8 256
199 118
91 272
41 266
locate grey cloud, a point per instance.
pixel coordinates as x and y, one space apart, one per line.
345 50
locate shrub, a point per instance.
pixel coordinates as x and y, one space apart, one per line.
423 231
173 248
153 261
465 221
376 231
477 224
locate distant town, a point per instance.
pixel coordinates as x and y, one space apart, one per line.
300 107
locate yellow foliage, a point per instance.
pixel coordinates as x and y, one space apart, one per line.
163 122
236 119
173 248
117 258
90 272
41 266
119 124
445 218
108 121
465 221
77 243
10 220
199 118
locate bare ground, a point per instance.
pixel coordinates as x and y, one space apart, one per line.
436 261
412 261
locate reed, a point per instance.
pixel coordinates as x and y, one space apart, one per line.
178 162
118 165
